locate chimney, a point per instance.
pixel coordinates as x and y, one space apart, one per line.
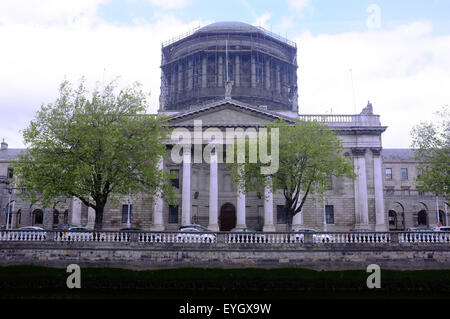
4 145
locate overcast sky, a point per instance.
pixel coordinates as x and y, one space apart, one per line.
398 51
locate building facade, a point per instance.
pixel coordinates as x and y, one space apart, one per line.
229 76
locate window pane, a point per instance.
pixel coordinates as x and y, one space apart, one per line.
125 213
404 173
10 172
176 179
281 214
173 214
329 213
388 173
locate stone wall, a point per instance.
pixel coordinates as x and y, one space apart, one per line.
134 255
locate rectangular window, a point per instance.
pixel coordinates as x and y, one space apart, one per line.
10 172
281 214
175 180
125 213
173 214
390 191
388 173
404 173
329 214
329 182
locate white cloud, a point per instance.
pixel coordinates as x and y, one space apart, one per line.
262 20
35 59
44 12
298 5
404 72
170 4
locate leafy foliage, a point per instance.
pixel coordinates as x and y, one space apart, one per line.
309 154
431 143
96 149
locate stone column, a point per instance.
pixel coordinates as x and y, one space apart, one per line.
253 71
76 212
285 82
237 71
180 77
213 194
380 224
172 82
190 73
278 79
267 74
240 209
204 72
268 210
360 185
220 72
158 224
186 188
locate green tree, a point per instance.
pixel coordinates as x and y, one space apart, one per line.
431 143
97 147
309 154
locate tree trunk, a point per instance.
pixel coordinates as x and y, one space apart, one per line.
98 218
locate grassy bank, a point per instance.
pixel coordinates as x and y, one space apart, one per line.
40 282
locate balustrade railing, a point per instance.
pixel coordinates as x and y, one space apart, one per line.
316 238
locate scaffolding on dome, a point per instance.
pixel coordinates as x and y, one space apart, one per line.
196 73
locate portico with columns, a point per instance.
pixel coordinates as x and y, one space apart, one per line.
205 189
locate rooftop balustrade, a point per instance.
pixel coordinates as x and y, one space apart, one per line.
343 119
212 238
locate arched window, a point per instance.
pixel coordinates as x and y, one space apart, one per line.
9 214
392 219
19 216
38 217
66 217
442 218
422 218
55 217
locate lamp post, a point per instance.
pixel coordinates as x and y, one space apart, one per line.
324 215
129 210
8 214
437 208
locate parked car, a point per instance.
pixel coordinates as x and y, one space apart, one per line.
31 228
32 231
238 236
419 229
442 228
188 234
324 238
70 227
72 232
444 233
358 235
131 229
424 234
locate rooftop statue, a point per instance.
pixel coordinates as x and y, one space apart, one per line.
368 110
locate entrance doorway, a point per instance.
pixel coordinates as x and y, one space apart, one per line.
227 217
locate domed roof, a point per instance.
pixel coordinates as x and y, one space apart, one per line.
227 26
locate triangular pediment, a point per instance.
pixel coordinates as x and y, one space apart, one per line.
226 113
